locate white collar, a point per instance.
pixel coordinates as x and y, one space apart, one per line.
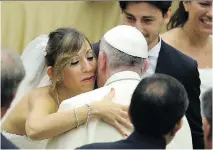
155 50
124 75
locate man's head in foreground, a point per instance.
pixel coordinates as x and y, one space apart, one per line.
157 106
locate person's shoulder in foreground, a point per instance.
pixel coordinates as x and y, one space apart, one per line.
6 144
134 141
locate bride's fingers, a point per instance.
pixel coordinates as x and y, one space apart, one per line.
124 114
110 95
125 122
125 108
119 128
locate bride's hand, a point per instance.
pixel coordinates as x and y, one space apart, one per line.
112 113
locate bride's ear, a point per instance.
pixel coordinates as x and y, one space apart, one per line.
50 72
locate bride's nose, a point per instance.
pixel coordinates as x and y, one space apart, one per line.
86 66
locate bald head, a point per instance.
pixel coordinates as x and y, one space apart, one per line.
161 101
12 73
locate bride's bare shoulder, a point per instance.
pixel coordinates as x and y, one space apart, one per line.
171 35
40 94
41 97
40 91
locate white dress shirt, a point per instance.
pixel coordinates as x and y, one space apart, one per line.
153 59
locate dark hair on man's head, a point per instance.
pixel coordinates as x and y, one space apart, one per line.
179 18
207 108
163 6
157 104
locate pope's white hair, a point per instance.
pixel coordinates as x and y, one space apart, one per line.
119 59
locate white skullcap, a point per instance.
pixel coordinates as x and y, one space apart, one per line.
127 39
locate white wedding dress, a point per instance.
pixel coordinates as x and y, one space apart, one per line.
34 63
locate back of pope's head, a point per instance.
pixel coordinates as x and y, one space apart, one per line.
123 48
126 39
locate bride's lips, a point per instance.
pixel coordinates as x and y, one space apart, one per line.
88 79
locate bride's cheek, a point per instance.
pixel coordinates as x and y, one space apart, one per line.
95 66
70 76
65 82
67 77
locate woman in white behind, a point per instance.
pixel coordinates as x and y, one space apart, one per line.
190 30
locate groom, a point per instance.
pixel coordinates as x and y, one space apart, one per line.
122 60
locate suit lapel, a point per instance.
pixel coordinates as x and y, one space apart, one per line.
162 62
165 63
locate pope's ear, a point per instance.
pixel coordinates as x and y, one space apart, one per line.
102 60
146 65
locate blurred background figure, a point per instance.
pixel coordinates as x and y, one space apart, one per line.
189 31
12 73
207 118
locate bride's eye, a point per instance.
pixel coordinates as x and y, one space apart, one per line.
74 63
90 57
204 4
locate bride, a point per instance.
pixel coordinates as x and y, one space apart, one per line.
190 30
71 69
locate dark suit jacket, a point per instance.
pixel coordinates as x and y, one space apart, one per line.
174 63
6 144
134 141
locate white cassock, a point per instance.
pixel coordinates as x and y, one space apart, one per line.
97 130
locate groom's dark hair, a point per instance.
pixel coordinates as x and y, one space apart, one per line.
163 6
157 104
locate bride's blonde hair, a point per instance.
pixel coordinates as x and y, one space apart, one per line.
61 46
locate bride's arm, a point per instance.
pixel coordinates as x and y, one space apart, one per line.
43 123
